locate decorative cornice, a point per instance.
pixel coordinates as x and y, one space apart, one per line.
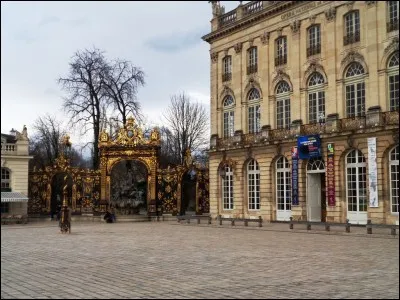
393 46
330 14
238 47
350 5
295 26
312 19
214 56
370 3
265 37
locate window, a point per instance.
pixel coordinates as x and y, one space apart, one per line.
227 188
253 184
316 98
283 185
229 116
314 40
252 60
227 72
254 111
5 180
393 81
282 105
356 179
5 208
352 27
281 51
394 179
355 90
393 16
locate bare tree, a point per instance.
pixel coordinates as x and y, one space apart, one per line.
86 95
122 81
188 122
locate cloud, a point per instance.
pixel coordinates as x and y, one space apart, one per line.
77 22
176 42
48 20
25 36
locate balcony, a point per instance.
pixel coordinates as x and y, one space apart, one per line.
8 149
393 25
281 60
228 18
351 38
226 77
252 69
252 7
313 50
374 120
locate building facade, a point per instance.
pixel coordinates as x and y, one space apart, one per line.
287 74
14 174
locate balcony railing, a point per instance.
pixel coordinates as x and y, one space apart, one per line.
228 18
252 7
393 25
280 60
252 69
351 38
226 77
373 119
8 149
312 50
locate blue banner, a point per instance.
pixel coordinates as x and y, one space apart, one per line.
309 146
295 176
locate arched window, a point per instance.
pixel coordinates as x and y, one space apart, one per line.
316 98
356 182
355 90
254 111
5 180
227 71
283 189
227 188
315 165
394 179
229 116
282 105
352 27
393 81
253 184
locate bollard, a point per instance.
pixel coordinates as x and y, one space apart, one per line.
220 220
369 228
246 223
179 220
327 227
163 218
308 226
158 218
393 230
259 221
347 226
188 220
233 222
209 220
198 220
291 223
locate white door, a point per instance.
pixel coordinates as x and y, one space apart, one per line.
314 197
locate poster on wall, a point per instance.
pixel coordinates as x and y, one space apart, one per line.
295 178
309 146
372 173
330 174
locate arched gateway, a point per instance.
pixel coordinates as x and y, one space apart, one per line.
130 144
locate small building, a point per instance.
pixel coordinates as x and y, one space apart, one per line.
14 176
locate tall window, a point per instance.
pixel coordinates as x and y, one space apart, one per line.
316 98
314 40
393 81
254 111
253 184
227 188
281 51
252 60
356 181
355 90
283 184
394 179
393 15
352 27
282 105
5 180
227 71
229 116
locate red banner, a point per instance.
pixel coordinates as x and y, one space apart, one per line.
330 174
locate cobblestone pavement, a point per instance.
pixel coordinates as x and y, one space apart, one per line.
169 260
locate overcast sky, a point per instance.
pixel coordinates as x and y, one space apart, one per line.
39 38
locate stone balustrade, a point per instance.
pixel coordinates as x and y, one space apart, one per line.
8 149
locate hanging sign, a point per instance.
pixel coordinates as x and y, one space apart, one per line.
372 173
330 174
295 176
309 146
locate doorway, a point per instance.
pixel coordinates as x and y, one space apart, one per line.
316 191
188 194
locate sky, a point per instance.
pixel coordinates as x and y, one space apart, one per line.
38 40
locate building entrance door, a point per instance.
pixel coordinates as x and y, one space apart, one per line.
316 195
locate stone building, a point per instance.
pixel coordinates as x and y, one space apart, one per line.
14 175
305 111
